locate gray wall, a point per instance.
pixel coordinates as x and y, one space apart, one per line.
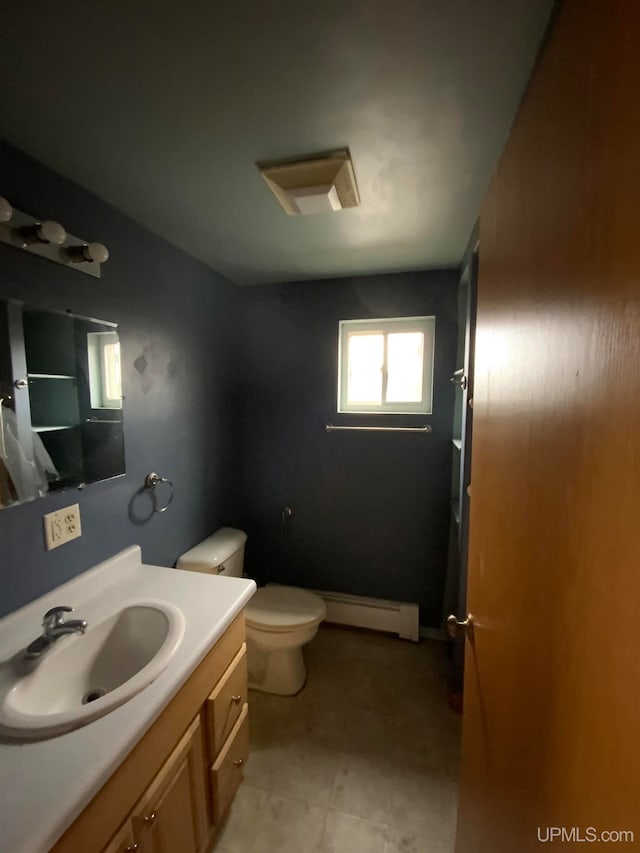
176 316
370 511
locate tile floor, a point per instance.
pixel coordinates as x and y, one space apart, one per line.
363 760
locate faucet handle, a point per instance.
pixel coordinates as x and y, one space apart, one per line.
54 616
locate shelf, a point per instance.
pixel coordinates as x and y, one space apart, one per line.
457 443
52 428
49 376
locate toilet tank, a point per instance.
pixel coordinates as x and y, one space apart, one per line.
219 554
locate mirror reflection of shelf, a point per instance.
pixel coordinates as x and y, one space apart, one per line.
457 443
49 376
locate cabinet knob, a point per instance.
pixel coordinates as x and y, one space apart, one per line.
150 819
236 700
239 762
132 848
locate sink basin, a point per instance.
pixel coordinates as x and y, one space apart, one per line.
84 677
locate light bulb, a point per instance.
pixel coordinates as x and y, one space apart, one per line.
6 211
51 232
95 253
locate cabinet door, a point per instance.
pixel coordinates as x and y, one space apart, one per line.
172 814
123 841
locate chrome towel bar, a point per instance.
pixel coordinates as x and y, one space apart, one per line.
425 430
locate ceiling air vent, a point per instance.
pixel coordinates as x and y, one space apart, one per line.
321 183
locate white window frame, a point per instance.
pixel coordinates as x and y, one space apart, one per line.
386 326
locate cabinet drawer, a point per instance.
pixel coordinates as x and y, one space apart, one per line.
225 704
227 771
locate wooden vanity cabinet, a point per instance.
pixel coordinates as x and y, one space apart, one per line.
173 790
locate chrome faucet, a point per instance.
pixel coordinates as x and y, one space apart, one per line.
54 627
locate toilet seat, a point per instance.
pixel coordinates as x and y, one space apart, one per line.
284 608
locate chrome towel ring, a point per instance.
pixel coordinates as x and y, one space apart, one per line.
151 482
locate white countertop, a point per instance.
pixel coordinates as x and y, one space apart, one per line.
44 785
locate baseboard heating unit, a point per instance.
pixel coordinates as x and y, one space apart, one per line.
395 617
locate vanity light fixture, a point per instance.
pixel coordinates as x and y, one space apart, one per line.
48 239
6 211
92 253
321 183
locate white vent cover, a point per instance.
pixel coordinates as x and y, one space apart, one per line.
310 200
323 183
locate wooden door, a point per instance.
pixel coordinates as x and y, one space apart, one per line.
123 841
552 681
171 816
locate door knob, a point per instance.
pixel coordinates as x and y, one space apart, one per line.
459 627
460 379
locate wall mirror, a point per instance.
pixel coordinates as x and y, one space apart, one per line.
61 423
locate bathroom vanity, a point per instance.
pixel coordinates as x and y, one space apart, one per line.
160 771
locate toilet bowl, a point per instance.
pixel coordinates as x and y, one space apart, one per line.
280 619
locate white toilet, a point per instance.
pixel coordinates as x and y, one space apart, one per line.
280 619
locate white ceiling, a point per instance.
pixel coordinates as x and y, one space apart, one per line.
162 109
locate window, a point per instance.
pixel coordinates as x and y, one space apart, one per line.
386 366
105 382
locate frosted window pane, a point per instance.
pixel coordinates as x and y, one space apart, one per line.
405 359
366 353
112 384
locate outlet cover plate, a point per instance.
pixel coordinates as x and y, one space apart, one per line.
62 526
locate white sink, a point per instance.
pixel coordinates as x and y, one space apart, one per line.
84 677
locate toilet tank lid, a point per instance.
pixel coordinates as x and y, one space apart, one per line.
213 550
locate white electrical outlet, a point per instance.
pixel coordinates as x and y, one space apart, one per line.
62 526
